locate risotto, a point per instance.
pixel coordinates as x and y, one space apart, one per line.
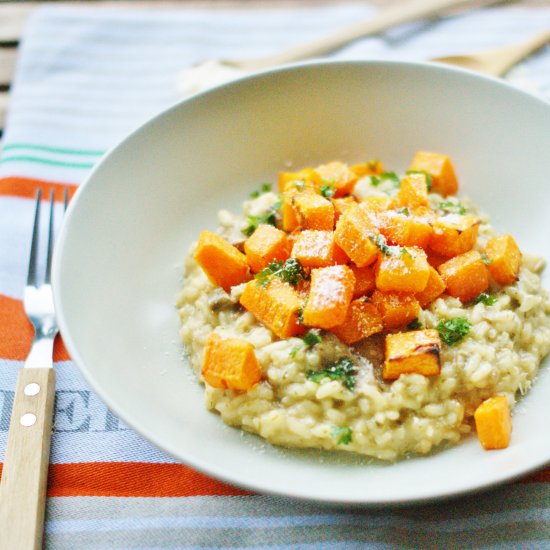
407 356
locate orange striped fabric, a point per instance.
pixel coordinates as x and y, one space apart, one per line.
27 187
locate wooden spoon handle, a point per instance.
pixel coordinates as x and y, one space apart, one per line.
514 54
25 471
381 21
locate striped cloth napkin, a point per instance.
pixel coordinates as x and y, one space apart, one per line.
87 77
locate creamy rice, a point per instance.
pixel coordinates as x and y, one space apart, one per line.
413 414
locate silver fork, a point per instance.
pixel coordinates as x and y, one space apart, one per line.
25 471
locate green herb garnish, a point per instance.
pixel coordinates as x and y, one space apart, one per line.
380 241
404 211
486 299
453 331
342 434
427 175
453 207
294 351
264 188
385 176
405 252
290 271
415 324
327 190
485 259
268 217
342 370
311 338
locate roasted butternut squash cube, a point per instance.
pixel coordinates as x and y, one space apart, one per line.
454 234
265 245
276 305
362 320
313 211
396 308
407 271
365 280
504 258
338 176
370 168
415 351
435 260
230 364
413 191
494 423
315 248
435 287
465 276
353 235
222 263
289 216
306 178
404 228
374 205
341 205
330 295
441 169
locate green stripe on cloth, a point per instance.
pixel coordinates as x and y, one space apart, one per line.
48 149
51 162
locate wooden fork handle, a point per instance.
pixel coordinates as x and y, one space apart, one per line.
25 470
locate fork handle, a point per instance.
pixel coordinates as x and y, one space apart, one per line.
25 472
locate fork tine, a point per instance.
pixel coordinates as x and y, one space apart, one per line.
50 239
31 275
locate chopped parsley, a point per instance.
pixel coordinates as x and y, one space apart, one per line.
294 351
380 241
268 217
453 207
385 176
342 434
453 331
486 299
405 252
485 259
264 188
311 338
342 370
415 324
290 271
404 211
427 175
327 190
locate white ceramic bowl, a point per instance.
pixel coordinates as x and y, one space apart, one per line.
117 269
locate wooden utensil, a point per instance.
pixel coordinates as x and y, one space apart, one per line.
498 61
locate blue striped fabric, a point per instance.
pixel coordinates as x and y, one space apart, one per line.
85 78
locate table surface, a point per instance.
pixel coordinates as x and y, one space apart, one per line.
13 16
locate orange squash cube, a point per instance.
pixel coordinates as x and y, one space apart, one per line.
313 211
413 191
396 308
329 297
230 364
365 280
374 205
407 272
441 169
494 423
370 168
362 320
265 245
435 260
306 178
504 258
352 235
315 248
338 176
454 234
404 228
465 276
341 205
412 352
222 263
435 287
275 305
